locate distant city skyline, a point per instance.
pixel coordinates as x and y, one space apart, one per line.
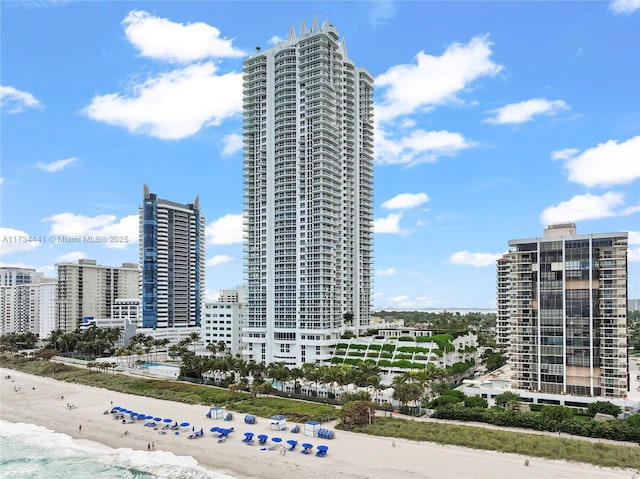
486 130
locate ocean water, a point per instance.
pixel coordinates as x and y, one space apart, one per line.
28 451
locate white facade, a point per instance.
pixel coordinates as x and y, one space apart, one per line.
12 276
503 303
308 198
28 308
172 262
223 319
87 289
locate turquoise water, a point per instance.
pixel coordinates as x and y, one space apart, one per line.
33 452
158 365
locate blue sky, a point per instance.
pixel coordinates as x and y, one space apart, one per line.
493 119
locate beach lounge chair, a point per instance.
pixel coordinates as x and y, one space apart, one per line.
295 429
322 451
262 439
228 417
249 419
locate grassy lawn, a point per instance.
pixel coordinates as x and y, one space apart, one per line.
549 447
184 392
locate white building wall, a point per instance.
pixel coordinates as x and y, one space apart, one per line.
308 169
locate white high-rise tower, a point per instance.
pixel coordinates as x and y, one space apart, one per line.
308 197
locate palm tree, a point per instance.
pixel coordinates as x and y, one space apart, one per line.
194 337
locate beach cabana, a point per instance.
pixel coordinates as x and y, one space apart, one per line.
278 423
311 428
215 413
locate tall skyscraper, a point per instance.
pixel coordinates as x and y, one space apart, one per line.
569 312
88 290
172 262
308 196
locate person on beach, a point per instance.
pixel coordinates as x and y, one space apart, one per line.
148 446
153 445
80 428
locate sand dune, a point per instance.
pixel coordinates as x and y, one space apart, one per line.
350 456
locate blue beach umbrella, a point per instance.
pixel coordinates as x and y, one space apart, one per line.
276 439
148 417
184 424
215 429
157 419
167 420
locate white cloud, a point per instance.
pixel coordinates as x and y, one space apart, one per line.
564 154
172 105
524 111
587 207
1 180
480 260
606 164
210 296
624 7
433 80
381 11
118 234
225 230
16 241
390 224
386 272
419 146
232 144
15 101
72 257
405 201
219 259
163 39
274 40
57 165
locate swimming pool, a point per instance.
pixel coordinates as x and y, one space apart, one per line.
496 384
160 369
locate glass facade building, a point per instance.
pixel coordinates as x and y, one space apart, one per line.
568 313
172 262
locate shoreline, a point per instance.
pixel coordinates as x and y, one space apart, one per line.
350 455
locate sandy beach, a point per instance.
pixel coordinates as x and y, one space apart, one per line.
43 401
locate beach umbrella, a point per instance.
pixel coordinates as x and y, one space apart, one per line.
148 417
167 420
184 424
157 419
215 429
276 439
292 442
306 445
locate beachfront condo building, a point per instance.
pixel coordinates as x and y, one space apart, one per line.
222 323
87 290
503 302
28 307
308 196
568 313
172 262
